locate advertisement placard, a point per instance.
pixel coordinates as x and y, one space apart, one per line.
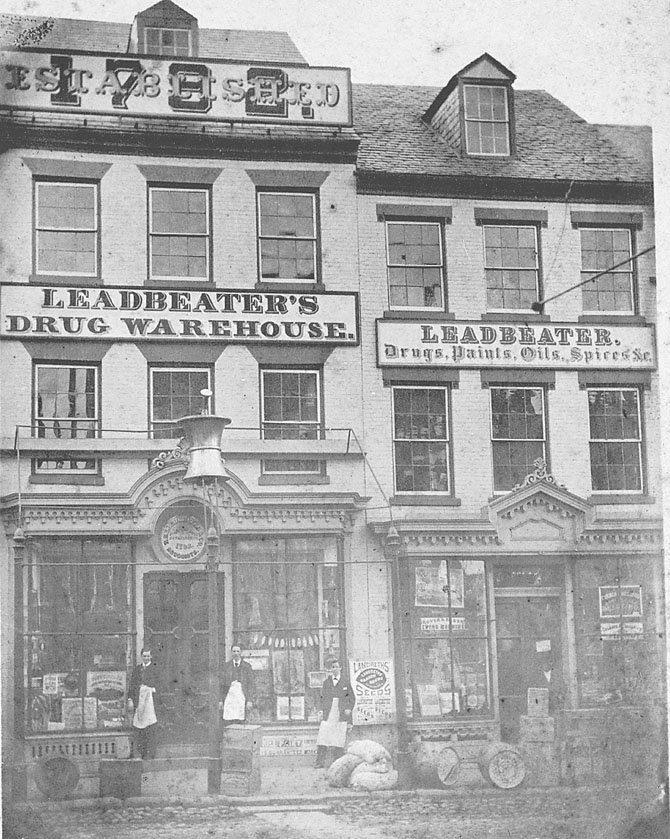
374 688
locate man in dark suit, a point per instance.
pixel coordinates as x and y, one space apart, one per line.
238 690
142 691
337 704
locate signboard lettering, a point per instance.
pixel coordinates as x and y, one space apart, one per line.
149 87
374 689
477 344
144 314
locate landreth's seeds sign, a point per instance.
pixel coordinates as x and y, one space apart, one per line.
140 86
139 314
374 688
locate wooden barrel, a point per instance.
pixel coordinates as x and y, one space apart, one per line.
502 765
437 769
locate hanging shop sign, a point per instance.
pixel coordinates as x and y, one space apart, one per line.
476 344
137 314
96 83
374 689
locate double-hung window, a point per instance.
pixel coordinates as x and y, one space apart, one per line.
179 233
415 264
512 267
486 120
175 392
603 248
67 229
518 436
421 439
291 410
161 40
615 440
66 408
287 236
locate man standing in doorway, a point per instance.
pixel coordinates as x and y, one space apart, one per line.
337 704
238 688
142 691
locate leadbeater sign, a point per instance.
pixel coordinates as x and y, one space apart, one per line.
141 314
95 83
460 344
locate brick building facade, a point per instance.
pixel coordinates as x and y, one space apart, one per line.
425 471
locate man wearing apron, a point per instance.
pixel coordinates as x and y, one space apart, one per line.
238 688
337 703
142 690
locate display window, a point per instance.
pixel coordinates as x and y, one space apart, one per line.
79 637
615 630
446 638
288 620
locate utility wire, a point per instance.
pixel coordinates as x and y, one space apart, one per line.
539 305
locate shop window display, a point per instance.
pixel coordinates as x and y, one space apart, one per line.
78 641
616 620
289 620
448 638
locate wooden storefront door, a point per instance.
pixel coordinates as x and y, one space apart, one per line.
528 637
176 625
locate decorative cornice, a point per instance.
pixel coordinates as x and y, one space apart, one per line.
461 731
167 458
255 515
633 536
77 516
550 505
538 474
453 538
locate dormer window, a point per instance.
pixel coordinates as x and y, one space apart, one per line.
474 113
164 41
486 119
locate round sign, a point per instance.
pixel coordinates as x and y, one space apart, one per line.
183 538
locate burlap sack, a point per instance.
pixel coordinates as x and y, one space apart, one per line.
339 771
375 780
369 751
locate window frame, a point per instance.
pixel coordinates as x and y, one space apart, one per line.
208 236
538 261
318 469
447 440
630 269
161 50
172 368
315 238
639 440
439 223
480 85
96 229
65 475
545 425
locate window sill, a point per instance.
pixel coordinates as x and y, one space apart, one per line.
428 500
185 283
295 287
516 317
292 480
620 320
60 280
72 480
418 314
624 498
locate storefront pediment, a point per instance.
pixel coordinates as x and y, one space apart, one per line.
540 512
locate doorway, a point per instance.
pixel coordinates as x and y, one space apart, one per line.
176 626
528 637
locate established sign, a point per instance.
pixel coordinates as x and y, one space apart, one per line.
136 86
478 344
138 314
183 538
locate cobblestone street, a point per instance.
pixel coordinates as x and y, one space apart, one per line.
555 813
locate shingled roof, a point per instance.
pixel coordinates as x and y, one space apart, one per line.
102 36
552 142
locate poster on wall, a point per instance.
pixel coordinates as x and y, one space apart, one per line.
374 689
433 587
620 601
288 671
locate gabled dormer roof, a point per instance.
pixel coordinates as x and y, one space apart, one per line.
486 68
167 10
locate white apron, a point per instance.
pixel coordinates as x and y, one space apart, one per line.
333 731
145 715
234 705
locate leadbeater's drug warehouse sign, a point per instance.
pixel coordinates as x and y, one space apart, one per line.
94 83
477 344
136 314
